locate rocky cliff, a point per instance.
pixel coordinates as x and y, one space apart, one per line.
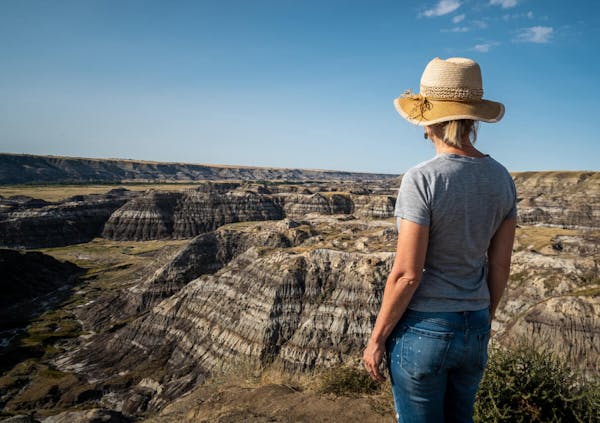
28 169
30 223
157 215
205 254
553 297
566 199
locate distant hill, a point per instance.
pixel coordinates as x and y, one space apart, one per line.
31 169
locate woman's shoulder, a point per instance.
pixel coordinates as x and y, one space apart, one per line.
499 167
425 166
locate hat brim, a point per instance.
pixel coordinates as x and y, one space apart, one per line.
443 111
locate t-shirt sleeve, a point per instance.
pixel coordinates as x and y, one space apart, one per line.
512 214
413 201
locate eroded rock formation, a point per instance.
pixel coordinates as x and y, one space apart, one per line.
565 199
30 223
28 168
205 254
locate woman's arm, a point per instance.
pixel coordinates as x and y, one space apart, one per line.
401 284
499 254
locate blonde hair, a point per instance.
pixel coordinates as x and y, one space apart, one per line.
453 131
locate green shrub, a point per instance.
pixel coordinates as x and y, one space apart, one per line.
345 380
524 384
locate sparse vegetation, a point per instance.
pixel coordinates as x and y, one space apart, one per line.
345 380
56 192
540 238
527 384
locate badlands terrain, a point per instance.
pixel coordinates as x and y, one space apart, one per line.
220 300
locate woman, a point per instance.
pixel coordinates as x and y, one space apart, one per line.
456 224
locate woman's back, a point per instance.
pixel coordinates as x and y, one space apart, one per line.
463 200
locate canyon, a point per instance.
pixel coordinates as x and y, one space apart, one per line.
167 289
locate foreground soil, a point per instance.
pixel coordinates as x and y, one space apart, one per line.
229 403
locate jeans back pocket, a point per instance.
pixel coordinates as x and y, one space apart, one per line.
424 351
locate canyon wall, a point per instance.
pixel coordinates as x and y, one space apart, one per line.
32 169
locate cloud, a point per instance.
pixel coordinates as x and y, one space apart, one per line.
443 7
480 24
535 34
506 4
458 18
457 29
508 16
485 47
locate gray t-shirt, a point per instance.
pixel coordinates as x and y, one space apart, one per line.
463 200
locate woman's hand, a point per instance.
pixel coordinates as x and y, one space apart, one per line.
372 357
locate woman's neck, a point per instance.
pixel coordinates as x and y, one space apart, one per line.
467 149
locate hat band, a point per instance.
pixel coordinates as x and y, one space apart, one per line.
452 93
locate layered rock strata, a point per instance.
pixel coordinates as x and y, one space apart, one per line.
160 214
31 223
545 198
27 168
304 310
553 297
205 254
298 205
567 325
374 206
565 199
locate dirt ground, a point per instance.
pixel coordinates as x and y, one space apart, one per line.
274 403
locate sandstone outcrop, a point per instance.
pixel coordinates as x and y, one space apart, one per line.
566 199
205 254
566 325
31 223
298 205
552 297
374 206
162 214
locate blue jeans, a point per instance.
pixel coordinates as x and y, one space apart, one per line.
436 361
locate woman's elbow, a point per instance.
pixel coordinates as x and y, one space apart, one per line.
406 279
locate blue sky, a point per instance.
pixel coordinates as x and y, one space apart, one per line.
304 84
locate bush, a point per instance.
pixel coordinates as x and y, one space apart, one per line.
524 384
345 380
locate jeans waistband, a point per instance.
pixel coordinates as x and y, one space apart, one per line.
452 319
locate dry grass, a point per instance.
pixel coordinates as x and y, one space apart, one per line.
113 262
539 238
60 192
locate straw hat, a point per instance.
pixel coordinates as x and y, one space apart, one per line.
450 89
